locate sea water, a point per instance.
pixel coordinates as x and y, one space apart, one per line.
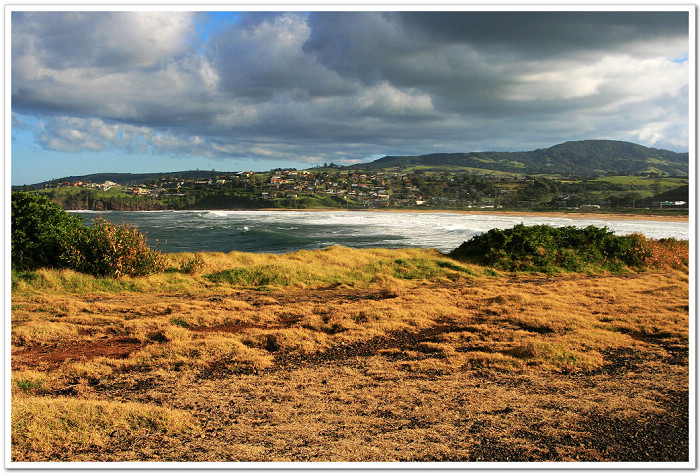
276 231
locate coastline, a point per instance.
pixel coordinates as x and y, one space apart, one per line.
574 215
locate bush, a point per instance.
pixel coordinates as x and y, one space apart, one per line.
107 249
546 249
39 230
44 235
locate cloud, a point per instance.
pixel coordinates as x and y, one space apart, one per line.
262 57
104 40
325 86
547 34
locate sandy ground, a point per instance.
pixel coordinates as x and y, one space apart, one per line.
580 215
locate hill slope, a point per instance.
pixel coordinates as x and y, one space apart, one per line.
127 178
589 157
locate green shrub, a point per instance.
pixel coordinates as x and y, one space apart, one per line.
39 229
546 249
44 235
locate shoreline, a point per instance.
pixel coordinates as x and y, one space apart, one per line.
507 213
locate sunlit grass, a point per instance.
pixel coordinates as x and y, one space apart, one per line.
42 424
240 311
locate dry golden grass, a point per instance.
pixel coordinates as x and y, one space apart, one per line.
42 425
338 354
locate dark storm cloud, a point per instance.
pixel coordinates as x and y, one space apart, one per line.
546 33
332 86
468 60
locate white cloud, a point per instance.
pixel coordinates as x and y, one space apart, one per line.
105 40
385 100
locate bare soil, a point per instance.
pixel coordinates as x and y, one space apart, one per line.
50 357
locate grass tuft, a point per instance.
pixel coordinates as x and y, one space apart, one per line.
42 424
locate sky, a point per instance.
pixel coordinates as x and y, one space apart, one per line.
161 91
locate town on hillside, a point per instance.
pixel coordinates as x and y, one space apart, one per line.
335 187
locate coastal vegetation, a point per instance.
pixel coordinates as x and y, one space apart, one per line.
44 235
546 249
307 355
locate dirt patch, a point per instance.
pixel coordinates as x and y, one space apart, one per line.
49 357
400 341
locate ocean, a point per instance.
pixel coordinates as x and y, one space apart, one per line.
284 231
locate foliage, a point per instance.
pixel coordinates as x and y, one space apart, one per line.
666 252
44 235
107 249
39 230
545 248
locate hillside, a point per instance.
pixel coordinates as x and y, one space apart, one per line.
127 178
583 158
589 157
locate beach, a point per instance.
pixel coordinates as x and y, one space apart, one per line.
508 213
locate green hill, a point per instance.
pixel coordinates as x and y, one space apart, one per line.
584 158
128 179
589 157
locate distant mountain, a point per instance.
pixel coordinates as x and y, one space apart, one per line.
588 157
125 178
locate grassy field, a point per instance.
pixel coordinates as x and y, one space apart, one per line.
349 355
